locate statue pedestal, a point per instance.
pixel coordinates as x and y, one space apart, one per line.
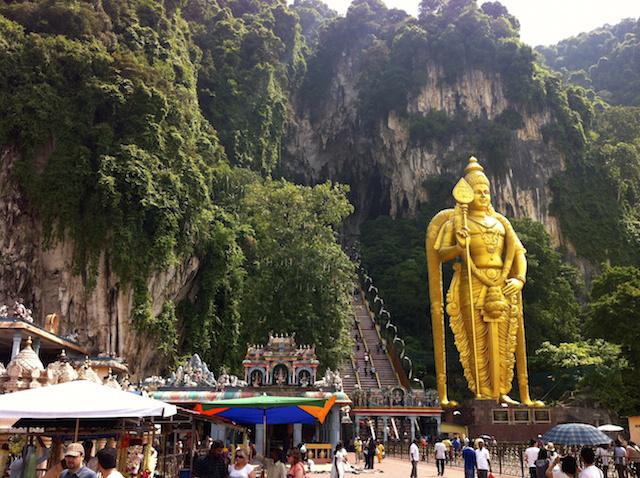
518 423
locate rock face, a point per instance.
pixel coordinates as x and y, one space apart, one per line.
44 277
387 172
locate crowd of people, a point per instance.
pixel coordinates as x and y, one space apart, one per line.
77 462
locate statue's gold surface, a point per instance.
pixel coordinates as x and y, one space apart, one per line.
489 272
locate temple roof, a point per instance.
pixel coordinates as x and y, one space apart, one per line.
27 360
281 347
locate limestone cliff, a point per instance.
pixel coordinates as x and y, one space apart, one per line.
387 171
98 316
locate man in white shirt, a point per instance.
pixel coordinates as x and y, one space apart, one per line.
441 456
414 456
531 455
590 470
483 460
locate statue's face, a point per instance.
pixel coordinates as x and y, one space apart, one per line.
481 197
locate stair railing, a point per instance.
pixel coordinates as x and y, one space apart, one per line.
366 347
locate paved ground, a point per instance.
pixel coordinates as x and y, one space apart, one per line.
393 467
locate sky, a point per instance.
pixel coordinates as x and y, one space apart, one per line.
543 22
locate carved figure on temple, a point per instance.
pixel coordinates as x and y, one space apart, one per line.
52 323
484 300
256 378
195 373
304 378
281 376
330 379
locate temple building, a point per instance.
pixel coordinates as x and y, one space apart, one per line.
281 362
280 367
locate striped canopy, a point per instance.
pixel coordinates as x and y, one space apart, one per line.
269 409
576 434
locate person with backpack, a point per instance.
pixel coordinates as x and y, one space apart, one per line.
542 463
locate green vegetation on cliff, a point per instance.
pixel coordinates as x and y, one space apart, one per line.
604 59
131 119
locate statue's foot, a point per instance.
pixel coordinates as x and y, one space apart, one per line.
533 403
446 403
508 400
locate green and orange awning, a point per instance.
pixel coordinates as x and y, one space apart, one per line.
269 409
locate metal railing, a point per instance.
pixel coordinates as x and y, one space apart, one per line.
506 458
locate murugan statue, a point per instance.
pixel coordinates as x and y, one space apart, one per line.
484 300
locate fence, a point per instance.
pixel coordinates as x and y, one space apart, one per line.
506 458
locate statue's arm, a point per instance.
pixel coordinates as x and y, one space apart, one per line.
519 269
446 243
518 272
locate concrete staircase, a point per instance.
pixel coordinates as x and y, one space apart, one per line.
367 340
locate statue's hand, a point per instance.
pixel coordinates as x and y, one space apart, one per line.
512 286
462 236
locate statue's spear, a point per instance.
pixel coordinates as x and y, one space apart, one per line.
463 194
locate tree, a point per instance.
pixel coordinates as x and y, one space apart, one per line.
587 372
551 309
298 278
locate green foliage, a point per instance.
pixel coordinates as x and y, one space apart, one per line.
490 140
104 102
596 198
251 58
590 371
614 304
298 278
114 150
314 16
604 59
550 306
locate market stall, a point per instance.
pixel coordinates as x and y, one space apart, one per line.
83 409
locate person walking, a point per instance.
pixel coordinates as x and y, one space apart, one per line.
380 452
371 451
602 458
74 457
469 458
241 468
440 451
542 463
568 467
457 447
620 459
297 466
107 460
483 460
274 466
357 445
633 458
214 464
531 455
552 454
339 461
590 470
414 456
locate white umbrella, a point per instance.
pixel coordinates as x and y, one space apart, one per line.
610 428
81 399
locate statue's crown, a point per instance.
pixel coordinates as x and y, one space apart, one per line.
474 173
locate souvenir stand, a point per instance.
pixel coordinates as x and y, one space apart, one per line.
83 409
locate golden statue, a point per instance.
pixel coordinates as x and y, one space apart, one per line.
490 335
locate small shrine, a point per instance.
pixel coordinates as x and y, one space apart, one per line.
24 371
281 362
